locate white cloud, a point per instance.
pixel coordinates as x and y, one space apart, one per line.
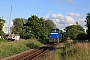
47 16
71 18
57 16
62 21
70 1
74 14
54 16
7 26
82 21
33 1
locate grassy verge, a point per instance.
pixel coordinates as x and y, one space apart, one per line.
8 48
78 51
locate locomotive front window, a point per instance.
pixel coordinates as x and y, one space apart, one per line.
55 30
52 30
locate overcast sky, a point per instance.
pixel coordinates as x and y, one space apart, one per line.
62 12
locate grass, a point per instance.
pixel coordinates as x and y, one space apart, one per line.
2 40
9 48
78 51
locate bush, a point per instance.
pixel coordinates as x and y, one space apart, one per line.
1 34
78 51
15 47
81 36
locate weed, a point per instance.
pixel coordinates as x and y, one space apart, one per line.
15 47
78 51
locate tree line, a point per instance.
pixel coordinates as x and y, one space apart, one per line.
39 28
33 27
2 21
77 31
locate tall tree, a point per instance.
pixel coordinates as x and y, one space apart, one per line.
88 25
17 25
33 27
2 21
37 27
73 30
49 24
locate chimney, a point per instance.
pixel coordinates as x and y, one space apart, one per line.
76 23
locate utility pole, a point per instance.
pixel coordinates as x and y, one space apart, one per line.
9 20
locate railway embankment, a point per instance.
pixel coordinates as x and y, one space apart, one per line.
72 50
10 48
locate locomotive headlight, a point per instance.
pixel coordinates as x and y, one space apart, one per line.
50 36
57 36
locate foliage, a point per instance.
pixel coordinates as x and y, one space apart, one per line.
36 28
17 25
3 40
25 33
49 24
73 30
88 25
81 36
1 33
1 23
78 51
33 27
1 26
61 31
9 48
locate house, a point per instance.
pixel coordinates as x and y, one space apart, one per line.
3 24
3 29
12 37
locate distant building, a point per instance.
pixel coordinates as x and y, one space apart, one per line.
85 30
3 22
12 37
3 29
76 23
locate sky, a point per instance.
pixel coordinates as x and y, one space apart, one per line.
62 12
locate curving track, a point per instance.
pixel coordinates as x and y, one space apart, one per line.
34 54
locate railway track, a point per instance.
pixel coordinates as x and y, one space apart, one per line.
35 54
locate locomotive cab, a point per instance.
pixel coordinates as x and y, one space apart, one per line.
54 35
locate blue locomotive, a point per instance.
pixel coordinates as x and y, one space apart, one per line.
54 35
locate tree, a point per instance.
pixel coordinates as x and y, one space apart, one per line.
26 33
1 26
43 30
88 25
18 25
81 36
37 27
61 32
33 27
73 30
49 25
2 21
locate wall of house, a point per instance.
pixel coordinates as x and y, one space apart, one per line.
3 29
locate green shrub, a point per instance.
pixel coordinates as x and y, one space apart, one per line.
78 51
15 47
